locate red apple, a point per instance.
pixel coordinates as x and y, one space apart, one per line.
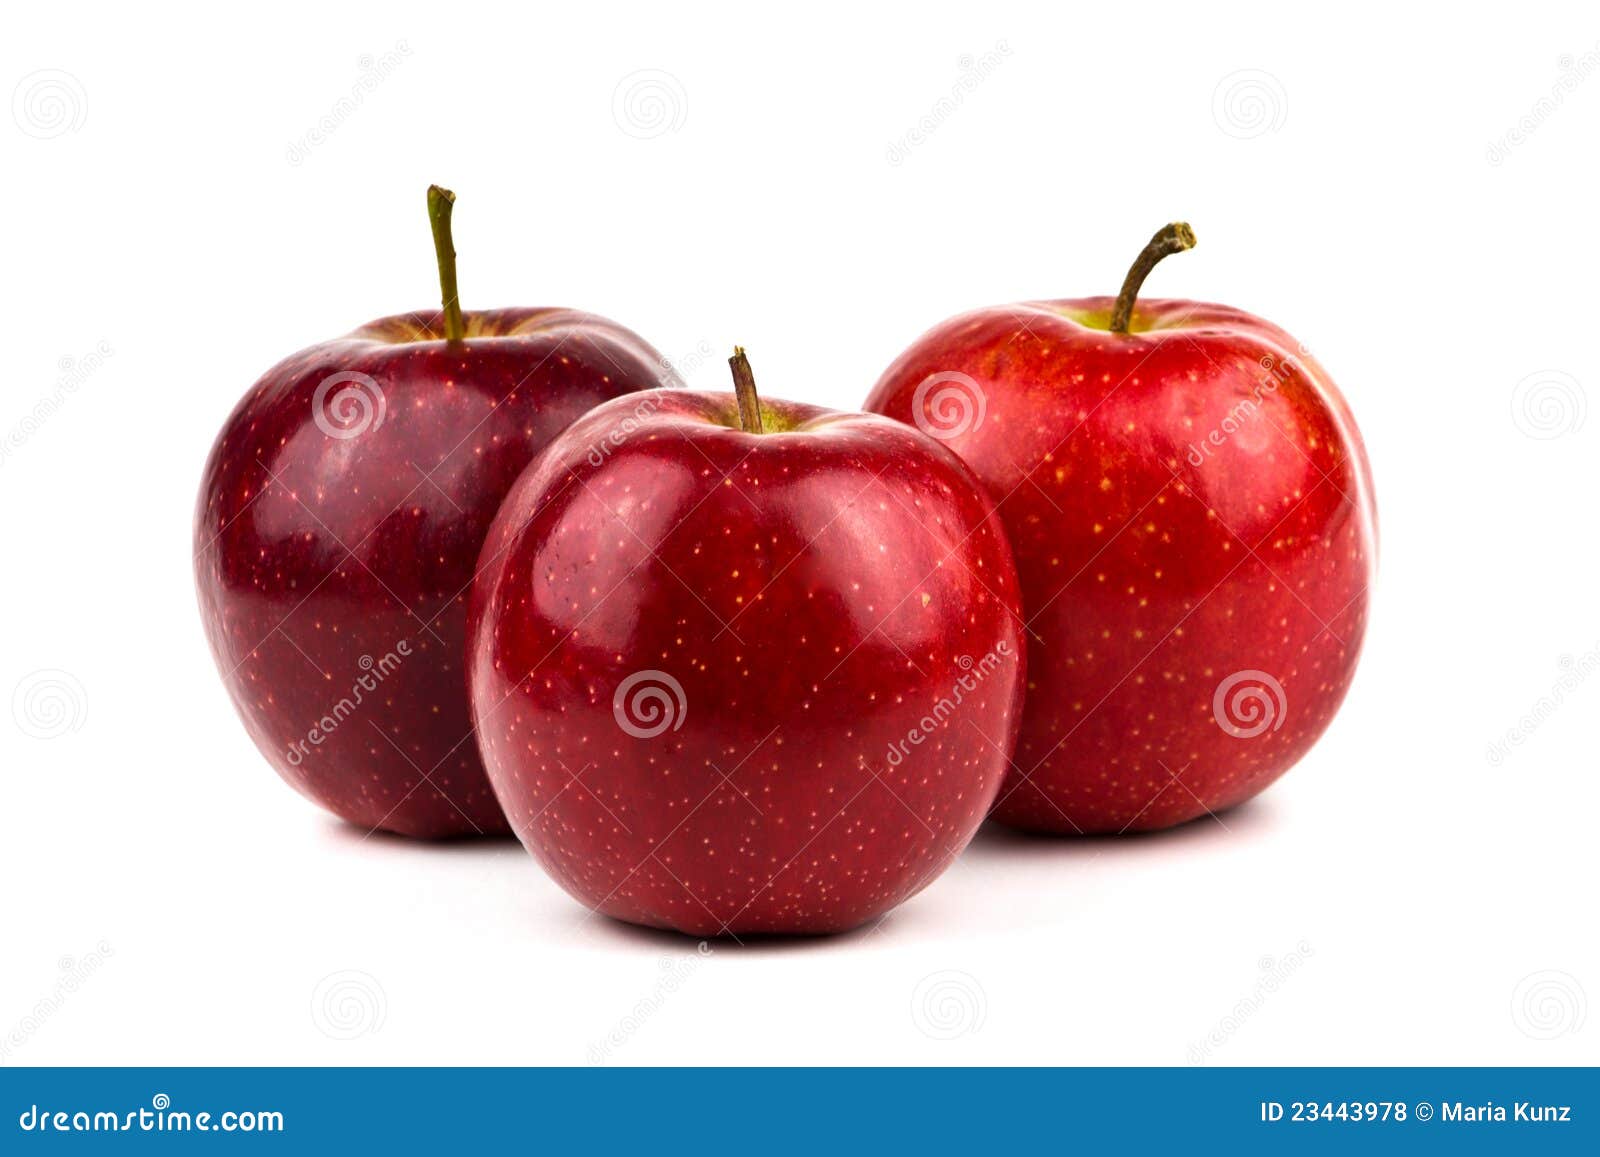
1191 509
339 520
745 668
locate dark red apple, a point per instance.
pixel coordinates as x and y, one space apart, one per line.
745 668
340 517
1191 509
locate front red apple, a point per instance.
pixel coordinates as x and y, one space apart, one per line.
1191 511
339 520
735 682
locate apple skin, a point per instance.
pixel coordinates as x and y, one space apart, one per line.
330 568
1168 538
813 592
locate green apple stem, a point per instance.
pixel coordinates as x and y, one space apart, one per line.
1175 238
440 202
744 388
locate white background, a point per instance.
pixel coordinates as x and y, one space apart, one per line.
1418 902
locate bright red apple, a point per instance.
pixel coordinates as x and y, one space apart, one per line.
339 521
1191 510
745 668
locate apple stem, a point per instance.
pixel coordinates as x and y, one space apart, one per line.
744 388
1174 238
440 202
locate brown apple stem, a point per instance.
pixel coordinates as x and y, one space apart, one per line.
744 388
1175 238
440 202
